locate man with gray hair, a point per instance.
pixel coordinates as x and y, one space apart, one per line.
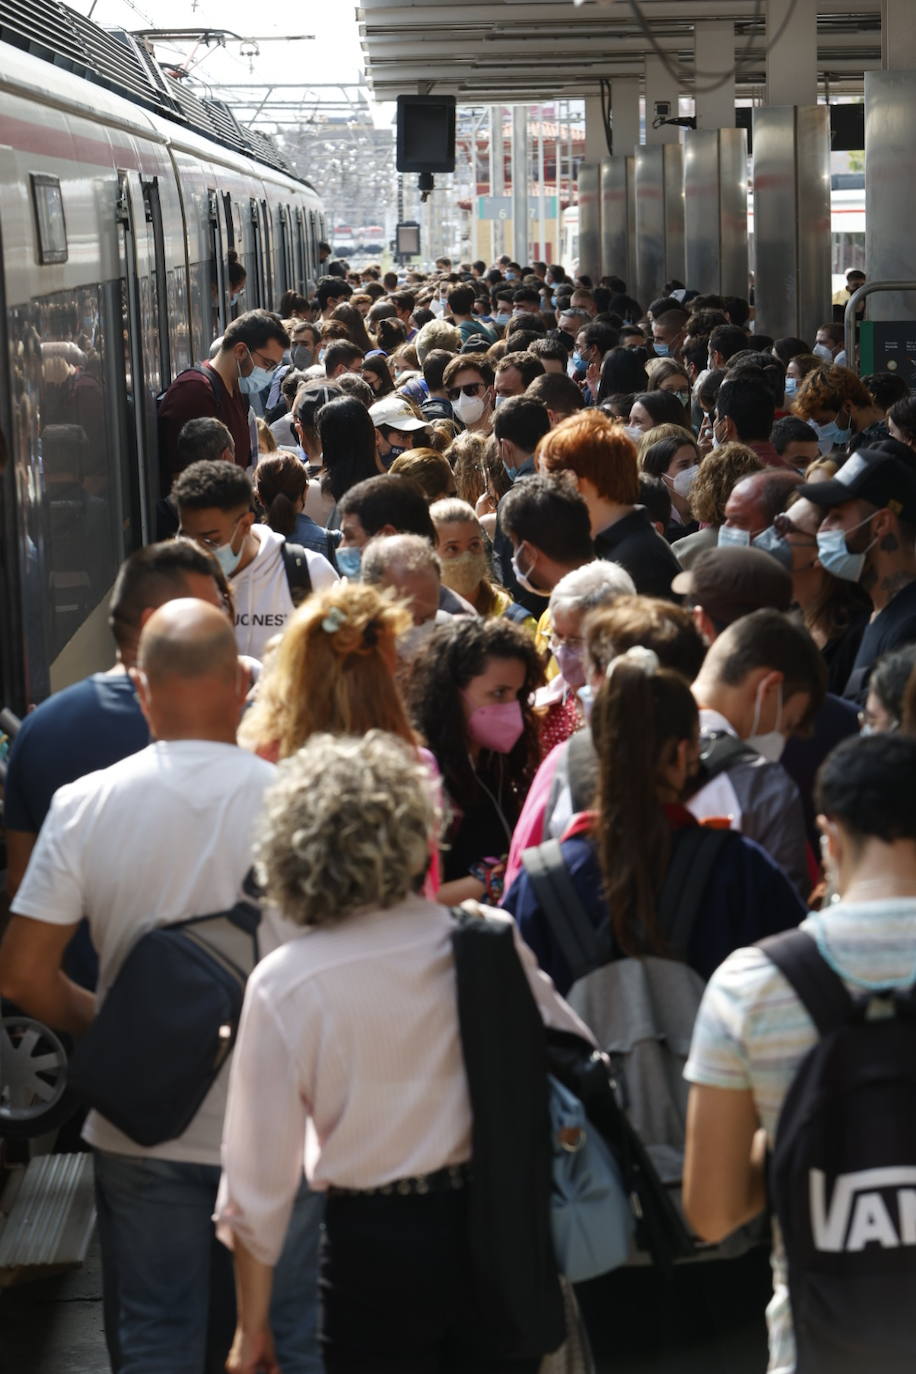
436 334
160 837
408 564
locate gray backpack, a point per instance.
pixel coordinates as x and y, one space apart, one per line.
641 1010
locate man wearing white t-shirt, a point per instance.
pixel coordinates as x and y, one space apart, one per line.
158 837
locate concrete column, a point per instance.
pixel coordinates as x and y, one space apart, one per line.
660 85
714 57
791 52
595 138
520 184
898 36
625 114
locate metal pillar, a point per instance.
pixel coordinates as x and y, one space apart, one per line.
659 219
660 85
714 52
497 175
625 114
589 184
792 219
520 184
542 204
715 211
595 138
898 36
618 219
791 62
890 189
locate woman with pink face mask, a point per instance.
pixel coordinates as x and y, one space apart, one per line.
470 696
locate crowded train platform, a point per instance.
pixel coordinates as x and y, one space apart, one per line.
489 726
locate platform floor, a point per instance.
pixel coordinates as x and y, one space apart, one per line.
55 1327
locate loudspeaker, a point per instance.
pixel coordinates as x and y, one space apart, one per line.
426 133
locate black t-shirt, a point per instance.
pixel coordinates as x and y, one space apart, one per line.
482 826
839 654
892 627
634 544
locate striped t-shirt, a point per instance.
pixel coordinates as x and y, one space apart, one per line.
751 1033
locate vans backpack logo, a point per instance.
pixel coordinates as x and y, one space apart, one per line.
869 1207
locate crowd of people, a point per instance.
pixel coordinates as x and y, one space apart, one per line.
456 567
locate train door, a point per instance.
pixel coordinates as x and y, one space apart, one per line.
219 294
12 665
141 435
154 303
285 273
302 265
268 262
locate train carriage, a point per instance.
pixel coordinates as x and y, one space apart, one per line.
121 198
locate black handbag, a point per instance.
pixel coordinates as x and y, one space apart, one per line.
167 1024
503 1040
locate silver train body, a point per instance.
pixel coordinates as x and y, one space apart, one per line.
115 229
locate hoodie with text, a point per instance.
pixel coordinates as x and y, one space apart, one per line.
263 603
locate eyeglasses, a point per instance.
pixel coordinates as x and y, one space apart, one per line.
573 642
783 525
268 364
469 389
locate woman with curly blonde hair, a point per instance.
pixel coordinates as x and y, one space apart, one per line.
333 670
349 1065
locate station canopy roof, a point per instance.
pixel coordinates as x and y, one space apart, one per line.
504 51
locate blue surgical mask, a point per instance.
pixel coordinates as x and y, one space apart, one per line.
661 349
831 436
511 276
791 386
579 363
256 381
349 562
732 538
822 351
502 317
227 558
834 554
772 542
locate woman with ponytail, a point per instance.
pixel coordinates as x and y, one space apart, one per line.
645 728
280 484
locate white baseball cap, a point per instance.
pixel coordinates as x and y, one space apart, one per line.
397 413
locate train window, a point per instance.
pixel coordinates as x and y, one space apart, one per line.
50 222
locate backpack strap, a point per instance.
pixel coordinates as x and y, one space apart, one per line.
582 945
821 992
719 752
582 770
298 577
696 853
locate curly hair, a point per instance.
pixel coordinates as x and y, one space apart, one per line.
719 472
332 670
454 655
829 387
367 797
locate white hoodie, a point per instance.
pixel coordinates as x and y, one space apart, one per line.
262 600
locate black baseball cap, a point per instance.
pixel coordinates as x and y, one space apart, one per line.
881 474
730 582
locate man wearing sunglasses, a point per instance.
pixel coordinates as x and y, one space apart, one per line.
250 351
468 383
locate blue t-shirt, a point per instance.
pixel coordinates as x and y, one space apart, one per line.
87 726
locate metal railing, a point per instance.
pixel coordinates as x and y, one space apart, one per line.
849 315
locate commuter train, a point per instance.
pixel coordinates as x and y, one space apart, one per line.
122 196
847 228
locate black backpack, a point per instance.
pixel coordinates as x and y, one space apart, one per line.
168 1023
843 1172
296 566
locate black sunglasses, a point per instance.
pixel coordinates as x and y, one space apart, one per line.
469 389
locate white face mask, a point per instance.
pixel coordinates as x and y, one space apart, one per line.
633 432
684 480
469 409
522 578
822 351
771 744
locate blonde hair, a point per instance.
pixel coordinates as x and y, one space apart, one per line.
333 670
347 825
